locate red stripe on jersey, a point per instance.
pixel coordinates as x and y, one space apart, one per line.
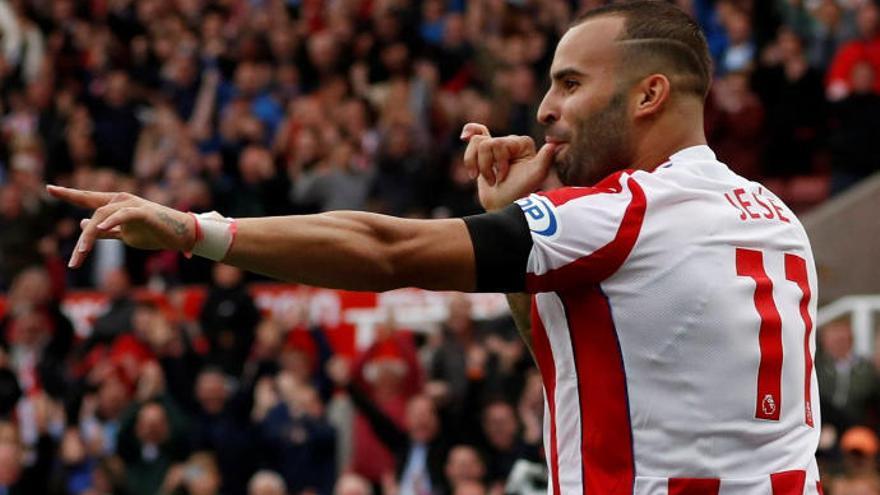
768 403
796 271
544 357
819 488
606 433
603 262
694 486
789 482
562 195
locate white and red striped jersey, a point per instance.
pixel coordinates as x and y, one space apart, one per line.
672 324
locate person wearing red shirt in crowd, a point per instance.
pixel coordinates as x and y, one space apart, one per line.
864 49
389 373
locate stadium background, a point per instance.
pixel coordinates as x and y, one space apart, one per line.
145 373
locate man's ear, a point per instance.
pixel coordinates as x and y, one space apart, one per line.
652 93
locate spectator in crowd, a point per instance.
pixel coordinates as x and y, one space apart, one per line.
859 446
734 120
21 232
335 183
419 448
791 92
460 354
117 319
828 28
503 444
151 441
855 130
228 319
463 465
75 475
399 172
866 48
39 336
116 123
23 43
102 410
294 436
220 425
261 188
518 100
739 54
388 372
848 383
306 351
170 346
266 352
131 353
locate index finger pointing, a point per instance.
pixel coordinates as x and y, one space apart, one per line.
84 199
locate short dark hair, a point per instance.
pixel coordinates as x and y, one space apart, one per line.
659 37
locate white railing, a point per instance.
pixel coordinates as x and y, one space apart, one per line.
863 311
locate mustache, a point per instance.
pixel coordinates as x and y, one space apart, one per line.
557 135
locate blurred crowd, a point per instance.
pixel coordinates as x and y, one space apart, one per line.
238 402
270 107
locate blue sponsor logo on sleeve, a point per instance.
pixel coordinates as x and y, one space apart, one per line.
540 215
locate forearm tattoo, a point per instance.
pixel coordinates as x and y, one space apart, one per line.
179 227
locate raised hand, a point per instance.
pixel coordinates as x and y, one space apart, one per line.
133 220
506 168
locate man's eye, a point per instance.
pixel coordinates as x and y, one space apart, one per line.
570 84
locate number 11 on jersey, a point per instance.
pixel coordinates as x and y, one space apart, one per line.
768 402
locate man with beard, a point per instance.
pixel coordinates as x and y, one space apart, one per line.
666 288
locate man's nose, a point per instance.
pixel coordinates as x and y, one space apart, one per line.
548 111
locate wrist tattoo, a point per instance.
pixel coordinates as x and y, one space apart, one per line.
178 226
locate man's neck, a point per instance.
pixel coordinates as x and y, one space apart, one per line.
674 132
652 160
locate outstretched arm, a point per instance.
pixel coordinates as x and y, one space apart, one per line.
347 250
357 251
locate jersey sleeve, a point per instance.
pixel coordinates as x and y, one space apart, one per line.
581 235
557 240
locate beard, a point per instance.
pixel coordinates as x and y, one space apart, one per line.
598 146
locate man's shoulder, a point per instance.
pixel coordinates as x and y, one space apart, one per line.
614 183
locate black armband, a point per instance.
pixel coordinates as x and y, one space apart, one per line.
502 243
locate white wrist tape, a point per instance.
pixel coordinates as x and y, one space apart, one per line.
214 235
